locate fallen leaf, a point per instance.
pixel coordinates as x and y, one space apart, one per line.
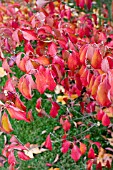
54 109
56 159
2 72
65 146
34 149
48 143
6 125
56 128
75 153
2 161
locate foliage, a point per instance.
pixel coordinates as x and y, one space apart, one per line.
56 62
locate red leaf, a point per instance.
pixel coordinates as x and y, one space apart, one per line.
22 156
44 79
41 80
38 103
28 47
97 144
6 123
66 125
73 61
89 164
65 146
100 114
51 84
48 143
91 153
75 153
54 110
105 120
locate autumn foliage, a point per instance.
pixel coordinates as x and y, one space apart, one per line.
66 52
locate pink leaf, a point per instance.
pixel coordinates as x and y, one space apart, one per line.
65 146
11 158
52 49
29 34
66 125
75 153
41 3
9 86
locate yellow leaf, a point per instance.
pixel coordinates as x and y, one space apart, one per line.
2 72
6 126
62 99
66 97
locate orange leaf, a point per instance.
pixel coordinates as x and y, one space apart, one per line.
95 86
102 93
83 55
43 60
96 60
25 85
83 148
